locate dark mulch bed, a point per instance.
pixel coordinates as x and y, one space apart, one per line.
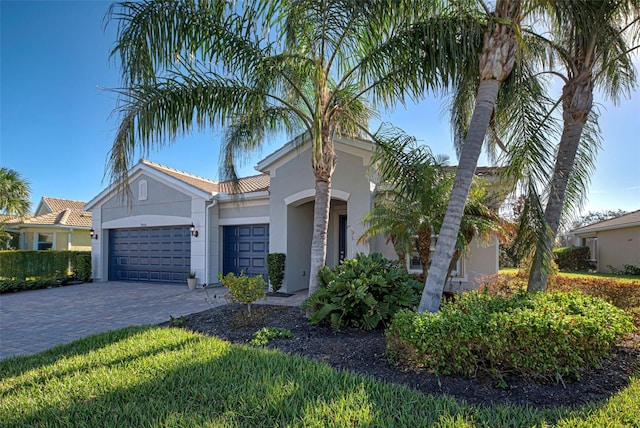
364 353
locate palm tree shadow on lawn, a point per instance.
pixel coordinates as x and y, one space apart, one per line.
363 352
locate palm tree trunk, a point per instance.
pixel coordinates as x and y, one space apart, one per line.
320 227
577 103
424 250
483 109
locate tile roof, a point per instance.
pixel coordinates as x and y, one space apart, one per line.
255 183
67 217
633 218
59 204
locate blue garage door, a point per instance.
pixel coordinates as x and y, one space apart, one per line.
152 254
245 249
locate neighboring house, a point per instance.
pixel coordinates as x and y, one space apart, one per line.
176 222
614 242
58 224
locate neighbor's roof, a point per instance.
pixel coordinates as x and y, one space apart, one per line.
627 220
58 204
255 183
67 217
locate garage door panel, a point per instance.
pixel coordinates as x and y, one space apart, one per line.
150 254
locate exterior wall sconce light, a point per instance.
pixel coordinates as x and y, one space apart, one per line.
193 230
93 234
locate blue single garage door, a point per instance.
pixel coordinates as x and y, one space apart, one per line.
152 254
245 249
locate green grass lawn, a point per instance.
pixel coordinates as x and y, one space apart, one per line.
169 377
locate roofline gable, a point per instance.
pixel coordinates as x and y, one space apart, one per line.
140 168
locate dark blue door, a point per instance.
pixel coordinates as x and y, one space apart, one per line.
245 249
152 254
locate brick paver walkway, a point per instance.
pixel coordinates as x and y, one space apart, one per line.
32 321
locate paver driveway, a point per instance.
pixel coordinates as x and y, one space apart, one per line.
32 321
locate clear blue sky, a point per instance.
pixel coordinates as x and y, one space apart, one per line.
56 128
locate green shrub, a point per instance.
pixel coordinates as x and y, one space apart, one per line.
363 292
572 258
544 336
275 269
244 289
263 336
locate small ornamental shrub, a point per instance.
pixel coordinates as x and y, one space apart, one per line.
538 335
265 335
363 292
275 270
572 258
244 289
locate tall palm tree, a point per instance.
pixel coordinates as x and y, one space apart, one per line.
14 193
258 68
594 41
497 59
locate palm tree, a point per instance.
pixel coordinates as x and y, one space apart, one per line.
261 67
497 59
591 40
413 187
14 193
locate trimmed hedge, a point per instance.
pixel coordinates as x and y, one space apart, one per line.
572 258
543 336
275 269
28 270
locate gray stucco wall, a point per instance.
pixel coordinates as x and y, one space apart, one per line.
161 199
233 210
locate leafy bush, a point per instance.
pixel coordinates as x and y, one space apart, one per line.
572 258
623 294
275 269
263 336
363 292
544 336
244 289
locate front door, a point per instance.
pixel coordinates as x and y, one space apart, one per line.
342 237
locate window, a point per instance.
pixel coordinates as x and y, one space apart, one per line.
45 241
414 264
142 190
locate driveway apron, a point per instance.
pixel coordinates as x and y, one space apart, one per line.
32 321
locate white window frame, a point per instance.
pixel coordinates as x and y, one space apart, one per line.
414 256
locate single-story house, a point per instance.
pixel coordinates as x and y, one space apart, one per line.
176 222
57 224
614 242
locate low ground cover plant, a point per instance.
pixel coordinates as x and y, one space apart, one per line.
545 336
363 292
265 335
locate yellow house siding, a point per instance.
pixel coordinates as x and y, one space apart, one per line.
618 247
80 240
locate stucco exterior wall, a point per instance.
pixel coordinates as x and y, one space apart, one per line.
161 198
618 247
480 261
244 209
